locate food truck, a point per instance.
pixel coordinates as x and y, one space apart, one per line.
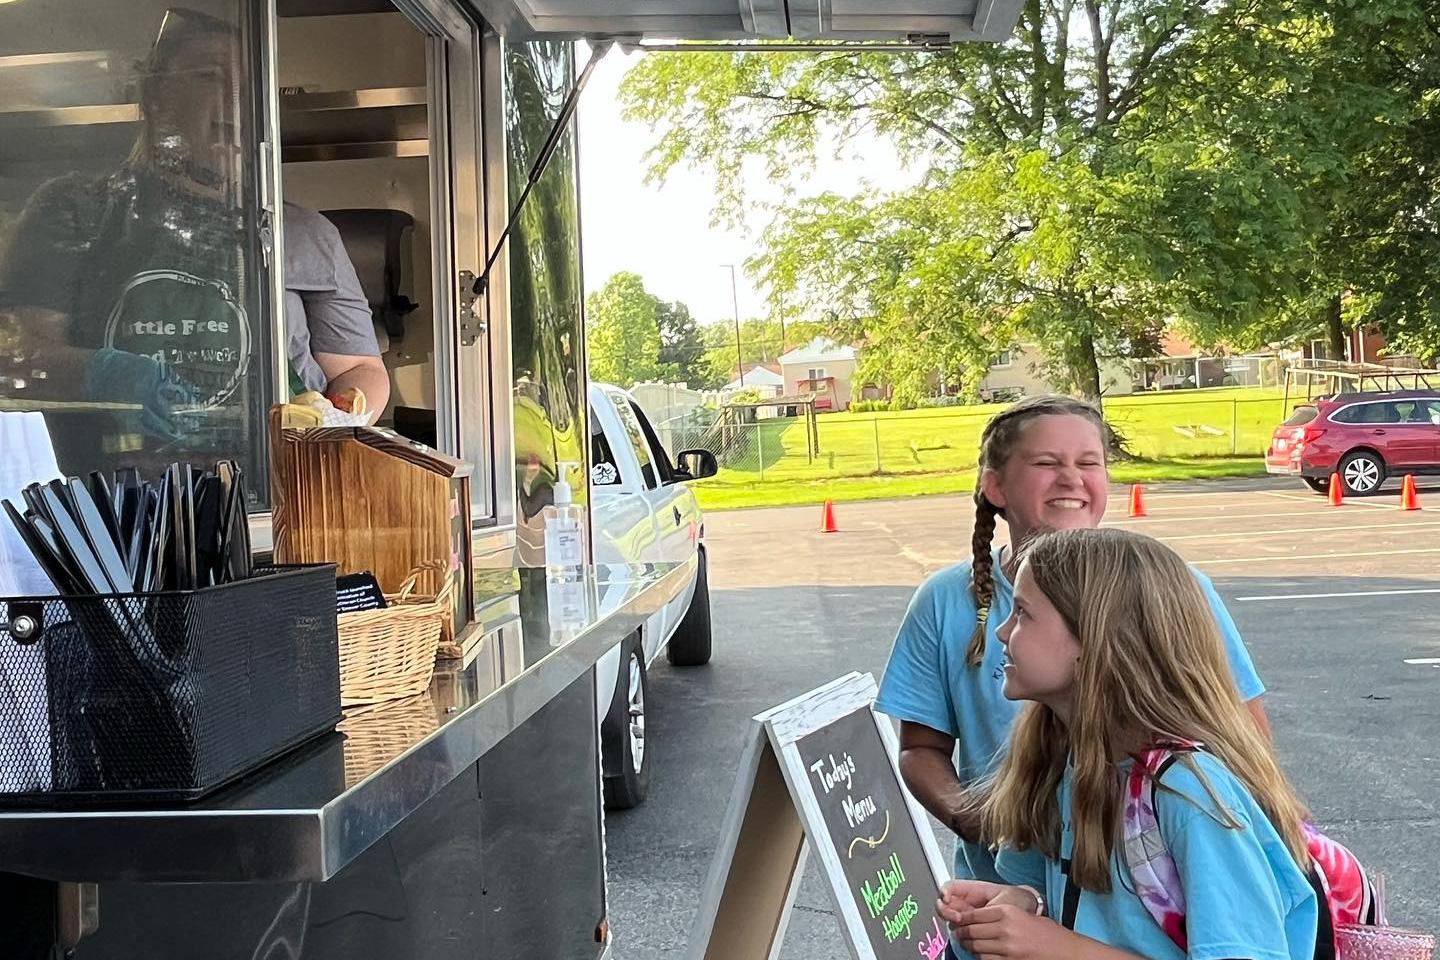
194 195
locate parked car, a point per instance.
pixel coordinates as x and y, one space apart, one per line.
643 511
1362 437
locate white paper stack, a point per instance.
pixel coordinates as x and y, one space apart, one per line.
26 456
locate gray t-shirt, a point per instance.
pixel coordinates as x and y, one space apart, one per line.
116 255
325 307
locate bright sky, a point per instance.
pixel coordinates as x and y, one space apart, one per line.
663 232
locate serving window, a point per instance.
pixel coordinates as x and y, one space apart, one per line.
134 310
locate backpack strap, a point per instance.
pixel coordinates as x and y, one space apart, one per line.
1147 858
1070 900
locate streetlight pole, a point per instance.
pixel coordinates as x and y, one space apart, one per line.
735 303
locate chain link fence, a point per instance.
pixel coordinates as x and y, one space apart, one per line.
946 440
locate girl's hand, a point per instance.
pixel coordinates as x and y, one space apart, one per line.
1022 897
1006 932
960 896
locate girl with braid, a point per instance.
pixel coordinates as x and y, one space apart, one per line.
1041 469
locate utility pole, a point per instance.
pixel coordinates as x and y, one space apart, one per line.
735 303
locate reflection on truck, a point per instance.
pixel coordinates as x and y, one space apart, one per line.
134 296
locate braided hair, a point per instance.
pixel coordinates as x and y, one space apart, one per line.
996 444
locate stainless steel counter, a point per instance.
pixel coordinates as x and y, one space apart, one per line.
309 814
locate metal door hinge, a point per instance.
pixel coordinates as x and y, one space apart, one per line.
472 325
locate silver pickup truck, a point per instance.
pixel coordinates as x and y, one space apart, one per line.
643 511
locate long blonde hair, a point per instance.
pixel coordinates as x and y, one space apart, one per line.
1151 667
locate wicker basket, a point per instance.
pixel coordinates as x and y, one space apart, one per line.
379 733
389 654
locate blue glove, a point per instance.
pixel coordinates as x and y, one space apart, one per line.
119 377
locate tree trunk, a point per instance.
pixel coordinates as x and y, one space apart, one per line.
1087 369
1335 327
1102 64
1035 15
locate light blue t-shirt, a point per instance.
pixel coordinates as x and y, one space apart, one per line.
927 680
1244 894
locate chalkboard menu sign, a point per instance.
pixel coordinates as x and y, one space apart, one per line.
819 774
865 812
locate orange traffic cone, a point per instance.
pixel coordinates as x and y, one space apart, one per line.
1137 501
1408 499
1337 495
827 518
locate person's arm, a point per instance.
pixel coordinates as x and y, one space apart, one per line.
1242 668
1008 931
39 277
929 772
914 691
337 317
1000 920
43 334
368 373
1257 713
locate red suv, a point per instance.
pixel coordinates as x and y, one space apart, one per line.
1364 437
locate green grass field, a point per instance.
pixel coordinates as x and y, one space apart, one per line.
1173 436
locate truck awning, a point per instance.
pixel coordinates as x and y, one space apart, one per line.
919 21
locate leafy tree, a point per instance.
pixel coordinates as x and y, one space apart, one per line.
748 395
624 332
636 336
682 351
1394 225
1318 111
1116 166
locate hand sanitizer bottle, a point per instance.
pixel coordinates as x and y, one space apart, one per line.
564 529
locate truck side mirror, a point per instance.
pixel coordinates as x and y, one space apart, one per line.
696 464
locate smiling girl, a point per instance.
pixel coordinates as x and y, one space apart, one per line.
1112 640
1042 468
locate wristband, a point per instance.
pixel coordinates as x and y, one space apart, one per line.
1039 899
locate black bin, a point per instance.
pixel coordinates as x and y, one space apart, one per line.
163 696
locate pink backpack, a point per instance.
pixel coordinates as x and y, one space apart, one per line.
1340 882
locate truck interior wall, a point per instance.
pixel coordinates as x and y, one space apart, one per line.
357 52
351 52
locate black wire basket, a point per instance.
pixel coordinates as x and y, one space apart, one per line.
163 696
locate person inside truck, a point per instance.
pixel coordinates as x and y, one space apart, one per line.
132 288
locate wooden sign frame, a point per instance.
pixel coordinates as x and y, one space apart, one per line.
772 822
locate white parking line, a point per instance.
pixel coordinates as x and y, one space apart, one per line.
1294 530
1229 503
1210 514
1421 661
1327 596
1314 556
1320 501
1124 497
1161 514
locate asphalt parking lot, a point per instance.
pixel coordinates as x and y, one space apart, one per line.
1340 608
